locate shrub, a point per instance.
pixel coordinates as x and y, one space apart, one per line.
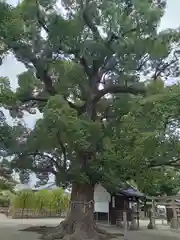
23 199
5 198
55 200
43 199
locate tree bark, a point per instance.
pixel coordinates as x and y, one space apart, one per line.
79 224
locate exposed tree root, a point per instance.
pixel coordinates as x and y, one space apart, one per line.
67 231
37 229
104 232
63 229
79 224
78 231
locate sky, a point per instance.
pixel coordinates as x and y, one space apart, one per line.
11 68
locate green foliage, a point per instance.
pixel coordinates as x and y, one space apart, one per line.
42 199
7 184
55 200
5 198
23 200
165 181
145 140
59 200
99 123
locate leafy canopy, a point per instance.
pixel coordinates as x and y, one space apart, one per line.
84 61
8 142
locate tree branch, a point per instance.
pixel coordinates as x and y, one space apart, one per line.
42 99
43 155
63 150
172 163
40 20
91 26
118 89
160 69
83 62
142 62
163 66
38 99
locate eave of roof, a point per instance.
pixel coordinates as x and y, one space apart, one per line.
131 192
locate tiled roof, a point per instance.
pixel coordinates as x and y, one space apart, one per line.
132 192
46 186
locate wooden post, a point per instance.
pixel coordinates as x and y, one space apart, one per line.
96 216
174 220
108 218
125 224
133 225
152 222
138 212
154 213
174 209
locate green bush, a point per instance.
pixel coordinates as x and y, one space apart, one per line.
43 200
60 200
4 202
5 198
55 200
23 199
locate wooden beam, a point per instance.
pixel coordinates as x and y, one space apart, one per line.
163 198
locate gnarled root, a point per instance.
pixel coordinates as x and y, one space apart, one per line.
63 229
79 233
104 232
69 230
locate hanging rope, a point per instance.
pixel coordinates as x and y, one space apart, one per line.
82 202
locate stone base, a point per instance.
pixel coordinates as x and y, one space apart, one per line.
174 223
133 227
151 225
119 224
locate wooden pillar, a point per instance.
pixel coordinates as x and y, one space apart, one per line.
174 220
138 212
154 212
174 208
152 221
133 225
125 224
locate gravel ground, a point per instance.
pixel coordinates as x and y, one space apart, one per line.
12 233
153 235
9 230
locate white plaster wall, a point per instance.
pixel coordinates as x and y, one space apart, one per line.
101 199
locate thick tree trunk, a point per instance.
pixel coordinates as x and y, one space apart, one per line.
79 223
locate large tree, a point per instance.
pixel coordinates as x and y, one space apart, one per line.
84 63
8 145
160 182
